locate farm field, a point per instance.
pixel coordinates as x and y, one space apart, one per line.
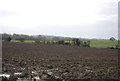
102 44
59 61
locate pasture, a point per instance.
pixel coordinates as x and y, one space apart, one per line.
103 43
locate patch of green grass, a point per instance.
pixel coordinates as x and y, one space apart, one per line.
29 41
103 43
68 41
26 41
15 41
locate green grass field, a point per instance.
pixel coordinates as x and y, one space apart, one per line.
15 41
26 41
29 41
103 44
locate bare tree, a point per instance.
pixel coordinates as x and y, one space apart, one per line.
112 39
76 41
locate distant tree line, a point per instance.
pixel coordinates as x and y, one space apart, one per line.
50 40
35 37
40 39
74 42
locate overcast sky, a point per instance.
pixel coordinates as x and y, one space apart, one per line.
72 18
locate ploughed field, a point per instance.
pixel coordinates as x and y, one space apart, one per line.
59 61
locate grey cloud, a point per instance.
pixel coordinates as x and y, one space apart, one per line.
109 8
101 30
4 13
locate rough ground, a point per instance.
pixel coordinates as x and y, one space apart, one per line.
59 61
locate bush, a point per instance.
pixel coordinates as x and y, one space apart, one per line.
117 46
21 39
60 42
76 41
8 39
37 41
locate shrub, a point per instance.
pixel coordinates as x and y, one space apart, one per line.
8 39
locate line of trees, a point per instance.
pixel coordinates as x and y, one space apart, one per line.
36 37
75 42
55 40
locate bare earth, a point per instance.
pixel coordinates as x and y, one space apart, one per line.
59 61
